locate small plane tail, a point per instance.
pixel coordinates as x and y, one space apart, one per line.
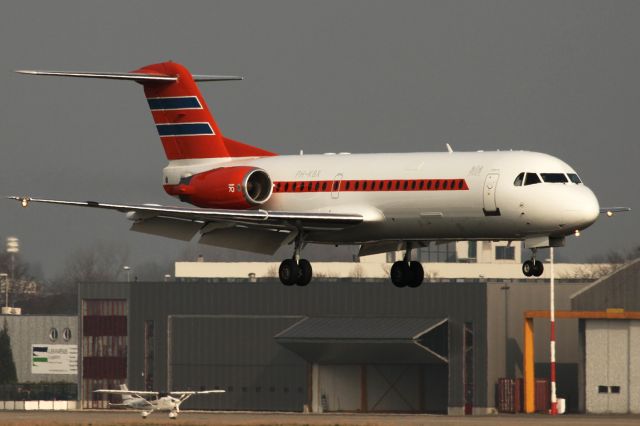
125 396
183 120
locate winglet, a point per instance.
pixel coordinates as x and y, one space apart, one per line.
24 200
610 211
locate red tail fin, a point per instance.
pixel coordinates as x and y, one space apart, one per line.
185 124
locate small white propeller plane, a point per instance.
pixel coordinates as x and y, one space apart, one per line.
148 401
247 198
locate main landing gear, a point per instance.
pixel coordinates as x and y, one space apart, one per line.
407 273
532 267
296 270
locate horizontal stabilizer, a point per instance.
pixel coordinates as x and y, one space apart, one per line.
134 76
109 75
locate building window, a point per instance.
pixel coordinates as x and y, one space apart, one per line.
149 357
439 253
505 253
472 252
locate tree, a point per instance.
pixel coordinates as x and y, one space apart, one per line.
603 265
7 366
21 269
100 262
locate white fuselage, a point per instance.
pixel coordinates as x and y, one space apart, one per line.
492 208
165 403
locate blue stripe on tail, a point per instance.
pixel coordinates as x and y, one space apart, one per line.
185 102
185 129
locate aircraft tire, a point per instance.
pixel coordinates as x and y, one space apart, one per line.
527 268
416 274
305 272
288 272
538 269
400 274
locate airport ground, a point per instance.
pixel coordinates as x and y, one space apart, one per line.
92 417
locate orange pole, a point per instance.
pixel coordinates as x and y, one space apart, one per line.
529 368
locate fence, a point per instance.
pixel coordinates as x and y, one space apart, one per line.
39 391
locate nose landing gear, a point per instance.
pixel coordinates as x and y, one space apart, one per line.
532 267
407 273
296 270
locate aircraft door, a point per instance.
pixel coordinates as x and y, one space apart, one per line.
335 186
489 195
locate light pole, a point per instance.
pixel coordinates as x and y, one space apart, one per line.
13 247
552 345
128 270
5 277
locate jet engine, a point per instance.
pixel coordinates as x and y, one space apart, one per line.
239 187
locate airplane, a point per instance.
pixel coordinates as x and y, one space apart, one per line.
170 402
251 199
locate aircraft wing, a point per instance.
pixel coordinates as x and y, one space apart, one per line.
260 218
127 392
185 393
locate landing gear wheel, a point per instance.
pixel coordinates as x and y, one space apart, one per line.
288 272
538 269
527 268
416 274
400 274
173 415
305 272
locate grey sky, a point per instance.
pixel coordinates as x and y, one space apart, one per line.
555 77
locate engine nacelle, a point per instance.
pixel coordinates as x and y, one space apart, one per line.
239 187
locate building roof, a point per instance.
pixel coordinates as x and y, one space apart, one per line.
382 340
337 328
620 289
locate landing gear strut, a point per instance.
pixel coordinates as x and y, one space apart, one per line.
532 267
407 273
296 270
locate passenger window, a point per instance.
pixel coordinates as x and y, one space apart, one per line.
574 178
519 180
554 177
531 179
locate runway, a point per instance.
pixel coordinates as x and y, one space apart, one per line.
120 417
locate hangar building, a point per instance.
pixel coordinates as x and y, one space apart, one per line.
43 331
609 342
336 345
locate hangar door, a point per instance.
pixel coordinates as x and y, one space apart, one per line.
383 388
238 354
612 373
375 364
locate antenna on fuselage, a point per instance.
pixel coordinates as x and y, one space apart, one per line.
449 148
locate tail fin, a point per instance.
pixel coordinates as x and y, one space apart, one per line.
125 396
185 125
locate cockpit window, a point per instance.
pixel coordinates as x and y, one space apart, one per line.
531 179
574 178
519 180
554 177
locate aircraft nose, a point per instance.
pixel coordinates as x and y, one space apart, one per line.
592 208
584 209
